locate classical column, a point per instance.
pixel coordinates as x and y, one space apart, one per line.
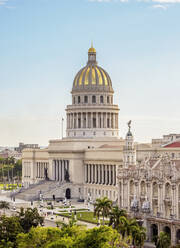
71 125
105 120
114 174
117 120
103 174
63 164
174 199
107 179
177 202
160 198
91 169
36 169
67 120
114 120
95 176
39 170
110 120
85 174
81 114
97 120
61 170
53 171
99 169
86 119
101 116
89 173
58 168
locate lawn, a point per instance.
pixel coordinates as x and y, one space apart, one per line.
84 216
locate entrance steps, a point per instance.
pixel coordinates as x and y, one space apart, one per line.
34 190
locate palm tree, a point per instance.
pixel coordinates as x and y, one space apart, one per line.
139 236
163 241
4 205
102 206
115 215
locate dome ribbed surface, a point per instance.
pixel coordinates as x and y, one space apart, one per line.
92 76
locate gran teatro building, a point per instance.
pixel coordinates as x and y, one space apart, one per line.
92 161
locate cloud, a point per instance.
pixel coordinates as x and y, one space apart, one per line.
160 6
108 1
3 2
166 1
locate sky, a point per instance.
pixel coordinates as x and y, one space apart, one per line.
44 43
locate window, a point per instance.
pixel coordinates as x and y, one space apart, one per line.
93 99
101 99
79 99
107 99
74 100
85 99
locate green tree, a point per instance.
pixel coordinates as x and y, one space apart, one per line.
115 215
29 218
102 237
38 237
9 229
138 236
71 237
102 206
163 241
4 205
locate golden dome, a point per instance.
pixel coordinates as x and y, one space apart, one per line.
92 77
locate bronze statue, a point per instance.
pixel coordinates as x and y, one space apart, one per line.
129 124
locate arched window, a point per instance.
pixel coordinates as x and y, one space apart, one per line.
79 99
101 99
93 99
85 99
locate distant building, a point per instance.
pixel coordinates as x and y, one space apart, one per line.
7 153
24 146
170 138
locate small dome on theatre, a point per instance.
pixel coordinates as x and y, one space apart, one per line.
92 77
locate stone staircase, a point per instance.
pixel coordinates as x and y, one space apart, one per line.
58 190
32 193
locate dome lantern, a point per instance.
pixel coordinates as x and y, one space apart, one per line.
92 54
